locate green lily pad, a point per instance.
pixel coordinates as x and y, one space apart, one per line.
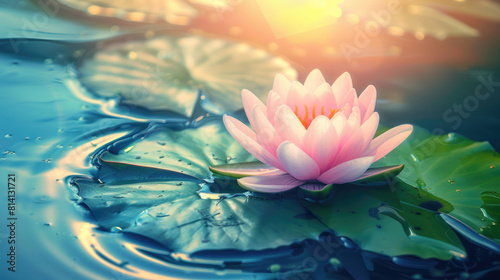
174 213
234 223
378 219
179 12
189 151
455 169
119 204
449 174
167 72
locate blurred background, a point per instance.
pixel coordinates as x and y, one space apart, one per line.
426 58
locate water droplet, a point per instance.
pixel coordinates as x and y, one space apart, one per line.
26 138
464 275
414 158
451 182
128 149
336 263
275 268
8 152
8 135
48 160
458 190
115 229
348 243
421 183
39 138
42 199
47 224
48 61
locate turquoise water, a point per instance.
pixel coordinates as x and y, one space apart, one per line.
51 127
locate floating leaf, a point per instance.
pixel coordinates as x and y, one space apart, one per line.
119 204
235 223
189 151
179 12
446 173
378 219
453 168
424 17
109 169
167 72
173 213
404 193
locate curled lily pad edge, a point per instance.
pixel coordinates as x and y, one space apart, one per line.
376 176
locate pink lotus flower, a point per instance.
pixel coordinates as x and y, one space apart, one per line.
311 132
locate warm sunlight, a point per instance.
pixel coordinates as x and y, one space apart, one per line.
288 17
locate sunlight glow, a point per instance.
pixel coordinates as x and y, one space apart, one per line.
289 17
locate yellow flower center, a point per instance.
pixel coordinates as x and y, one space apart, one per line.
306 120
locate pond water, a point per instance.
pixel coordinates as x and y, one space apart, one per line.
57 137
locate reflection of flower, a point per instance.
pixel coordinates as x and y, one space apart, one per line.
179 12
422 17
312 132
166 72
